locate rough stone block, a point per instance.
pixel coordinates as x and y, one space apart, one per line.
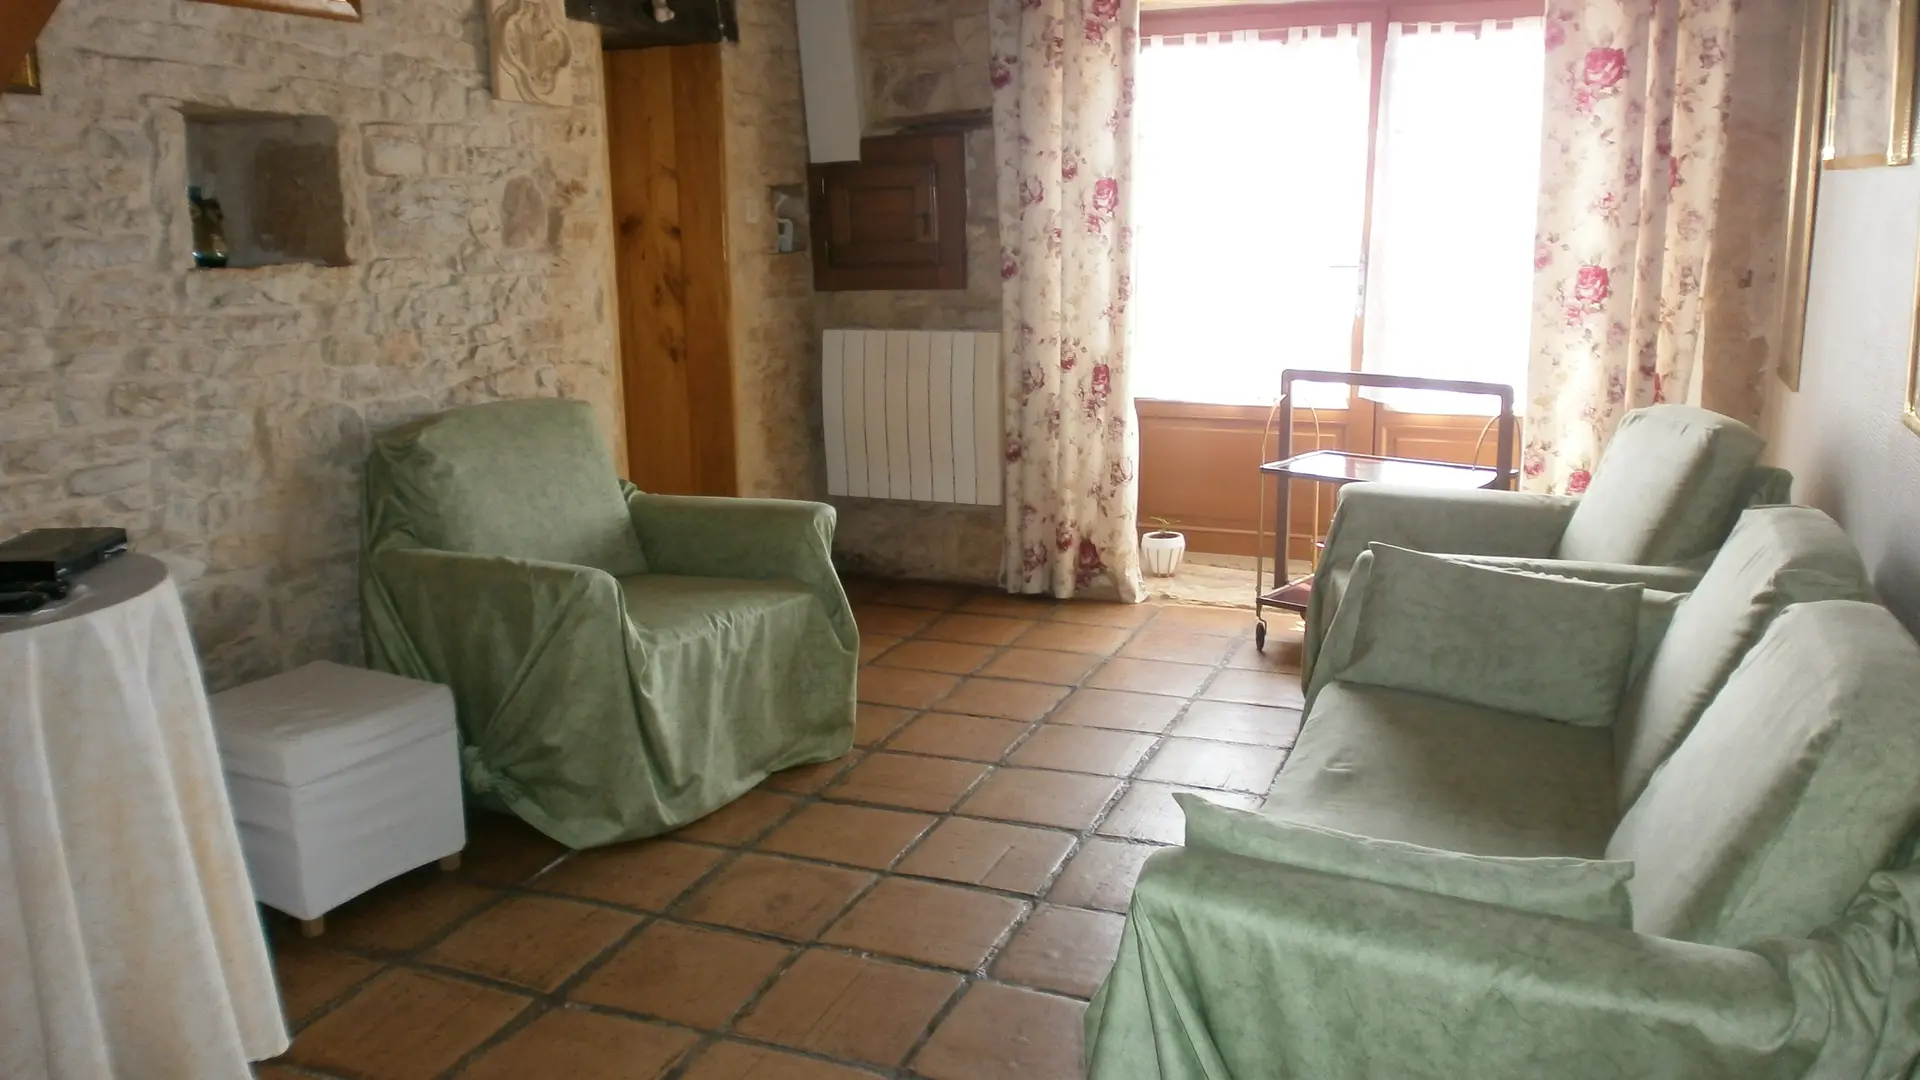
104 479
395 157
149 398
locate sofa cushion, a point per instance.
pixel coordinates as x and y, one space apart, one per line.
1669 483
1422 770
1590 890
1798 782
1555 648
1657 610
669 609
1777 555
525 479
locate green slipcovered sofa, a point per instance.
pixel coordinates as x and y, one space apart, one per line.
622 663
1581 831
1667 490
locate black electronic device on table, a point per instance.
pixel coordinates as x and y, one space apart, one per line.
39 565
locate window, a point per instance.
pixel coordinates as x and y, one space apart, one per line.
1252 177
1271 157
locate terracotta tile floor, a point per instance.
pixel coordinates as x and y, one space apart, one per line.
936 905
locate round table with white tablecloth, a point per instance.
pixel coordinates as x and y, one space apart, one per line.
130 946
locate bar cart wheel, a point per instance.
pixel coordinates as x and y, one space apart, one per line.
1259 635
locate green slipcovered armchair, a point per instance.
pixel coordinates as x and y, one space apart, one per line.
622 663
1668 488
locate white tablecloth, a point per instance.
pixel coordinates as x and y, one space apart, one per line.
130 947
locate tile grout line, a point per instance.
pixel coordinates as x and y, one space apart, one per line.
1030 905
415 959
1125 786
541 1002
1080 838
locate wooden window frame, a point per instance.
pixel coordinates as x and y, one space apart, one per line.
1236 17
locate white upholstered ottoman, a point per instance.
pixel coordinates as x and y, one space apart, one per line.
341 778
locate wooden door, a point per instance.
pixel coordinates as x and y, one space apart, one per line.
666 140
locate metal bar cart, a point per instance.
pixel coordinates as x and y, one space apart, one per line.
1340 467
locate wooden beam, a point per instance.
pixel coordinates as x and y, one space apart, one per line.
20 24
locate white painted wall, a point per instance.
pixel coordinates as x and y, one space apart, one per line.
1841 434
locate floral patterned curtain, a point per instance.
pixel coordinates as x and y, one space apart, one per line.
1062 74
1637 239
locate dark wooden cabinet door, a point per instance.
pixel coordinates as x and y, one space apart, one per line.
895 219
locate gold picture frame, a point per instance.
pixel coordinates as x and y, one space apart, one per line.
1911 414
1870 83
346 10
1910 408
27 79
1803 189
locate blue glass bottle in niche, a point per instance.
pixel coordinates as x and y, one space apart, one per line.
209 231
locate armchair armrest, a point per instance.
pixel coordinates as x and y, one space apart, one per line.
1232 967
1446 522
703 536
737 538
506 635
1475 522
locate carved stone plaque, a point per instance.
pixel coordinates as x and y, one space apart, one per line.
532 51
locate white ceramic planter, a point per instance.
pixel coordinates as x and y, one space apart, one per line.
1161 552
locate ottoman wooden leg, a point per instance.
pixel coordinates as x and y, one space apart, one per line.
313 927
451 862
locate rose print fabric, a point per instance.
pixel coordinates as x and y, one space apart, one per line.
1634 138
1062 73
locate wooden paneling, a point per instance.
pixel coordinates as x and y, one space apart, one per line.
1198 462
665 128
1440 438
1198 469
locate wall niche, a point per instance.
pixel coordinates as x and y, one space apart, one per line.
277 179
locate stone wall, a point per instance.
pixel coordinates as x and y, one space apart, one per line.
222 416
924 57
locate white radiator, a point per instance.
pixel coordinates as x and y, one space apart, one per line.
913 414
